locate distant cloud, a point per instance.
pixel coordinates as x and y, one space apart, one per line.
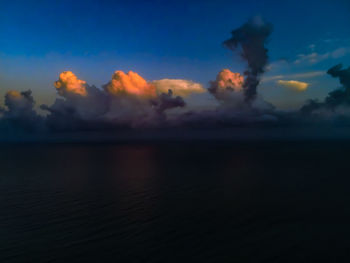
127 99
293 84
305 75
19 112
315 57
340 52
338 101
179 87
312 47
331 40
308 74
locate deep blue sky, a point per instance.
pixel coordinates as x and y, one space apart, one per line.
166 39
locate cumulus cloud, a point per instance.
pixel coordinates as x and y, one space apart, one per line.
228 89
19 112
179 87
79 101
227 79
19 104
130 84
68 83
135 101
227 86
293 84
127 100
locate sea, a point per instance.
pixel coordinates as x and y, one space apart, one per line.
175 201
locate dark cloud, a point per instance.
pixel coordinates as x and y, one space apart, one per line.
338 101
342 74
74 111
251 39
19 104
19 113
167 101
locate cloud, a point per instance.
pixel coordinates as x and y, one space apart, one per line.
293 84
305 75
227 79
130 101
342 74
312 47
179 87
336 99
19 113
68 83
130 84
78 101
340 52
228 89
127 100
250 40
311 58
228 86
315 57
19 103
167 101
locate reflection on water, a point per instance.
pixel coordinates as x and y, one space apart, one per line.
273 202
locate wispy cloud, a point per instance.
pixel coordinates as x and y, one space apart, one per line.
304 75
312 47
315 57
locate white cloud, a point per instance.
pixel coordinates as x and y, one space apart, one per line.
179 87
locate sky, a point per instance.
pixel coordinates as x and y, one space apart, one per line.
170 39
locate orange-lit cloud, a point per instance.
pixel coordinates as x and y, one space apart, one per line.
228 79
130 84
179 87
14 94
229 91
228 87
293 84
69 83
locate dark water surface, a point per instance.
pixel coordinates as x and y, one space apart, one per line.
175 202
